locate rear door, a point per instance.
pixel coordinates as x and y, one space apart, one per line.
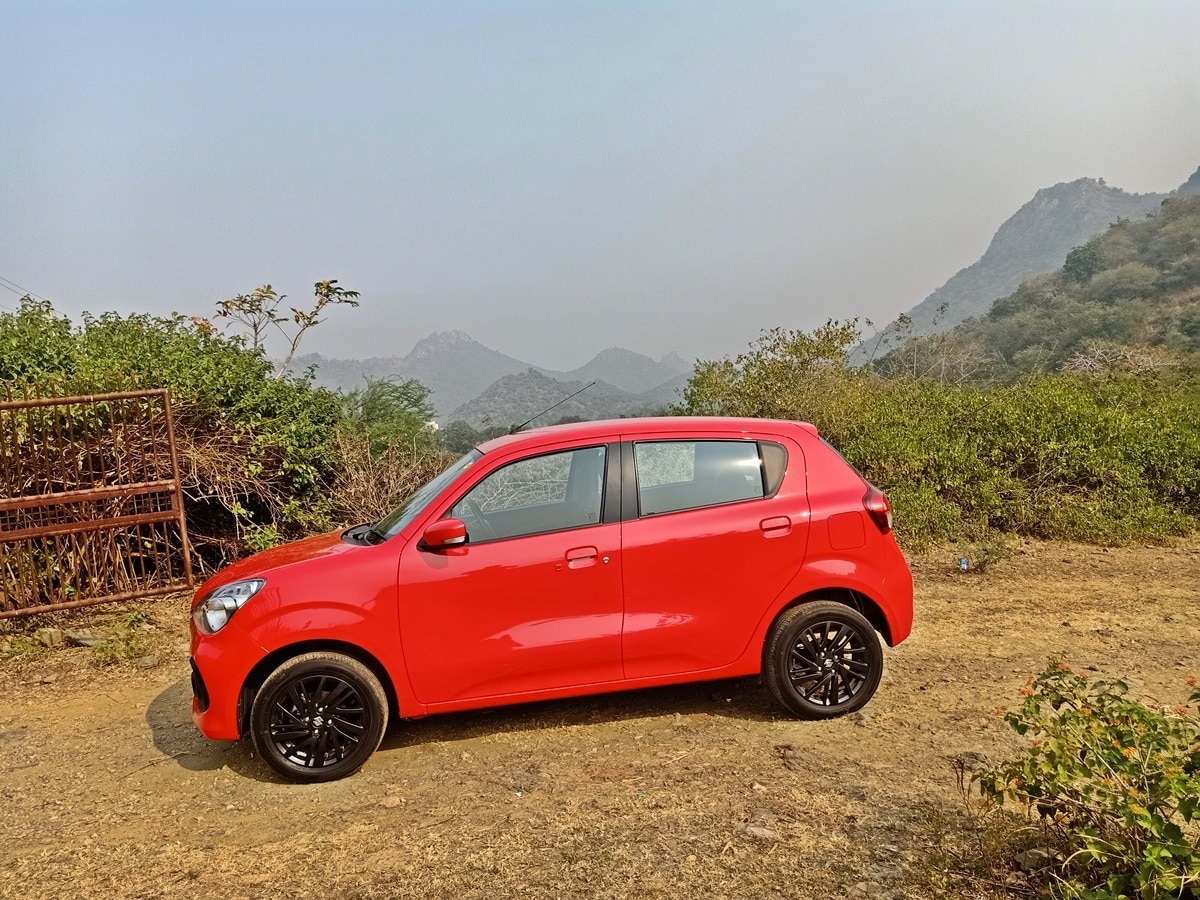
712 541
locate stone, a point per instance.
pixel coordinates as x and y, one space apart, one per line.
761 833
1035 858
49 637
84 639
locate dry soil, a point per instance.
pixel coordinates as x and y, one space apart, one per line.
106 788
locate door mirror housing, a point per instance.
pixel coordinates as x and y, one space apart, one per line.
445 533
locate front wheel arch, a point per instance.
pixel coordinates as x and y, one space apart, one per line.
272 661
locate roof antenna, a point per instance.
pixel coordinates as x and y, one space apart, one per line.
517 428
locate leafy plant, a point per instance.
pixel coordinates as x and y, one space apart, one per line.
1114 779
258 312
984 553
128 640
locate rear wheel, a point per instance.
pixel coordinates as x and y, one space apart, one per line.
823 659
318 717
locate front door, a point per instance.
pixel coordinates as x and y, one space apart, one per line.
532 601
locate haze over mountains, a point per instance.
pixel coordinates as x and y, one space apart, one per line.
470 381
474 383
1035 239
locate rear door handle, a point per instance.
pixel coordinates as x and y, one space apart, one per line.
581 556
777 526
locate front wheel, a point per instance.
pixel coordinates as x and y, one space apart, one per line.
823 659
318 717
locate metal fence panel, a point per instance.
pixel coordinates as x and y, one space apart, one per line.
91 504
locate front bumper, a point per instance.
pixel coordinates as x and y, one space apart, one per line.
221 666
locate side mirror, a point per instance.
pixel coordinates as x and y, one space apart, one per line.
445 533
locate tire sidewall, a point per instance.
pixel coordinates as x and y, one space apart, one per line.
352 671
782 639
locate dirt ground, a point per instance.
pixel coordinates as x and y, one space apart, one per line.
106 788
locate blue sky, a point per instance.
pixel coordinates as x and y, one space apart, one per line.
557 178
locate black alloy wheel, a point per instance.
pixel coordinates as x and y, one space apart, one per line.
823 659
318 717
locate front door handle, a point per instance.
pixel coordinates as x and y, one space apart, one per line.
581 556
776 527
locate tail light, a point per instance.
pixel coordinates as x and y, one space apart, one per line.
875 502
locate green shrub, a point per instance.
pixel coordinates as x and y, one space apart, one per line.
1107 460
260 453
1116 781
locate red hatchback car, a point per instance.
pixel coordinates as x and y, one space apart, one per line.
556 562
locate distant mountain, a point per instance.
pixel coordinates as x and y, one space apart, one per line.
1034 240
627 370
515 398
451 364
1127 300
1190 187
457 369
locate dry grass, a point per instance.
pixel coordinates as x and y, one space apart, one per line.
697 791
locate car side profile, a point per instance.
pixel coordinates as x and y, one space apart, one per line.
558 562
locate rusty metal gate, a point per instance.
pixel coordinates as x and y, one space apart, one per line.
91 504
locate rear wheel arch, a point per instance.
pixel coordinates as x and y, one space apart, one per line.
856 600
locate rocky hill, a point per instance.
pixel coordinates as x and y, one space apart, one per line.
1035 239
515 398
627 370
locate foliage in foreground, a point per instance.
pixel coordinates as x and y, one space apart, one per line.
1107 459
1114 780
262 453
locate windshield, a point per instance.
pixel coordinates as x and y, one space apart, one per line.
391 524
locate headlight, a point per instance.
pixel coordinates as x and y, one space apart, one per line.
215 611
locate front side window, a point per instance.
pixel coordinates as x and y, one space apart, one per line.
391 524
536 495
677 475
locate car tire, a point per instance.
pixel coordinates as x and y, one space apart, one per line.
318 717
822 660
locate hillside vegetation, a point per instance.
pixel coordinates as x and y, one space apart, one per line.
1072 410
1035 239
1128 298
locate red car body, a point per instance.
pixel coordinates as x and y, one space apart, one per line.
462 606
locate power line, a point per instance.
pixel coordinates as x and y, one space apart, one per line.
10 285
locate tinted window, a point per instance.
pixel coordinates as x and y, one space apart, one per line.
675 475
535 495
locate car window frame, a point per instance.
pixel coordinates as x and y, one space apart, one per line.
609 497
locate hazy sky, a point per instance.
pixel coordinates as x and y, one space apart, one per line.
559 177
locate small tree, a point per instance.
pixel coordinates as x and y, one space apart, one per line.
392 412
258 312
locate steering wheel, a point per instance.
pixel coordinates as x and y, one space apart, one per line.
478 518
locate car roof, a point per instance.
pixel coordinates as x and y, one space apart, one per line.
633 427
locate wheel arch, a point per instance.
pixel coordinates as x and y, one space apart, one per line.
856 600
272 661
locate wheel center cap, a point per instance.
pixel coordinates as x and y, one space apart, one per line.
318 721
828 664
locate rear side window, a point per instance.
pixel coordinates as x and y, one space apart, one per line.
678 475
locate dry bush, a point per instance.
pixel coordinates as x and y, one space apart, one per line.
368 486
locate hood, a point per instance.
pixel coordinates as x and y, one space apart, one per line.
261 565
